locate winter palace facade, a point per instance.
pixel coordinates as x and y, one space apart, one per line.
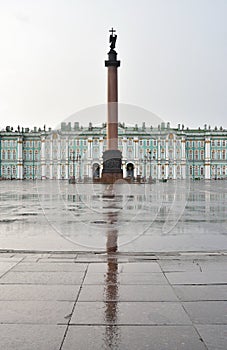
147 152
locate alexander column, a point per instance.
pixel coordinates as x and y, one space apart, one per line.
112 156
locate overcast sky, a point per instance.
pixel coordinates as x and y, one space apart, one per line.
173 59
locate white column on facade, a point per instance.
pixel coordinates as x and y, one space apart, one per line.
90 148
136 148
167 159
100 147
51 156
183 158
20 170
67 158
207 158
59 158
43 163
159 149
159 159
174 158
124 150
167 149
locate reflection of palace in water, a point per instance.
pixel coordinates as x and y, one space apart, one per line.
161 153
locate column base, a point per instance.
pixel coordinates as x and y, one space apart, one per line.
112 163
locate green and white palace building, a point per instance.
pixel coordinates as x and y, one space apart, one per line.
159 153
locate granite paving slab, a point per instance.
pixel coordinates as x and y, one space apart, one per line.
35 312
129 267
50 267
133 338
129 313
201 292
42 277
214 336
25 292
127 293
207 312
126 278
207 277
31 337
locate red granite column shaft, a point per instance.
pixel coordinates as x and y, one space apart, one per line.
112 120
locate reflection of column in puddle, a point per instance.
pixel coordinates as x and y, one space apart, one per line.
111 285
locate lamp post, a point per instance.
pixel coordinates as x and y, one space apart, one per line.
72 158
144 160
149 158
78 160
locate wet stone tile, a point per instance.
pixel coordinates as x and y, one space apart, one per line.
127 293
35 312
219 277
51 267
129 313
141 267
42 278
31 337
38 292
179 265
205 292
207 312
214 336
5 266
125 278
133 338
217 264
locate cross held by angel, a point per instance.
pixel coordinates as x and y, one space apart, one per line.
113 38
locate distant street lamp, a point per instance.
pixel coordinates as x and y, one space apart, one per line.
78 159
150 159
74 159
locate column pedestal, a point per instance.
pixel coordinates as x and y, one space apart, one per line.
112 163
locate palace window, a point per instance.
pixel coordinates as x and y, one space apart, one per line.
223 154
218 155
196 171
14 155
196 155
9 154
213 154
202 155
36 155
178 170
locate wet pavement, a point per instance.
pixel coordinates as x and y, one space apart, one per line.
172 216
145 269
115 301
